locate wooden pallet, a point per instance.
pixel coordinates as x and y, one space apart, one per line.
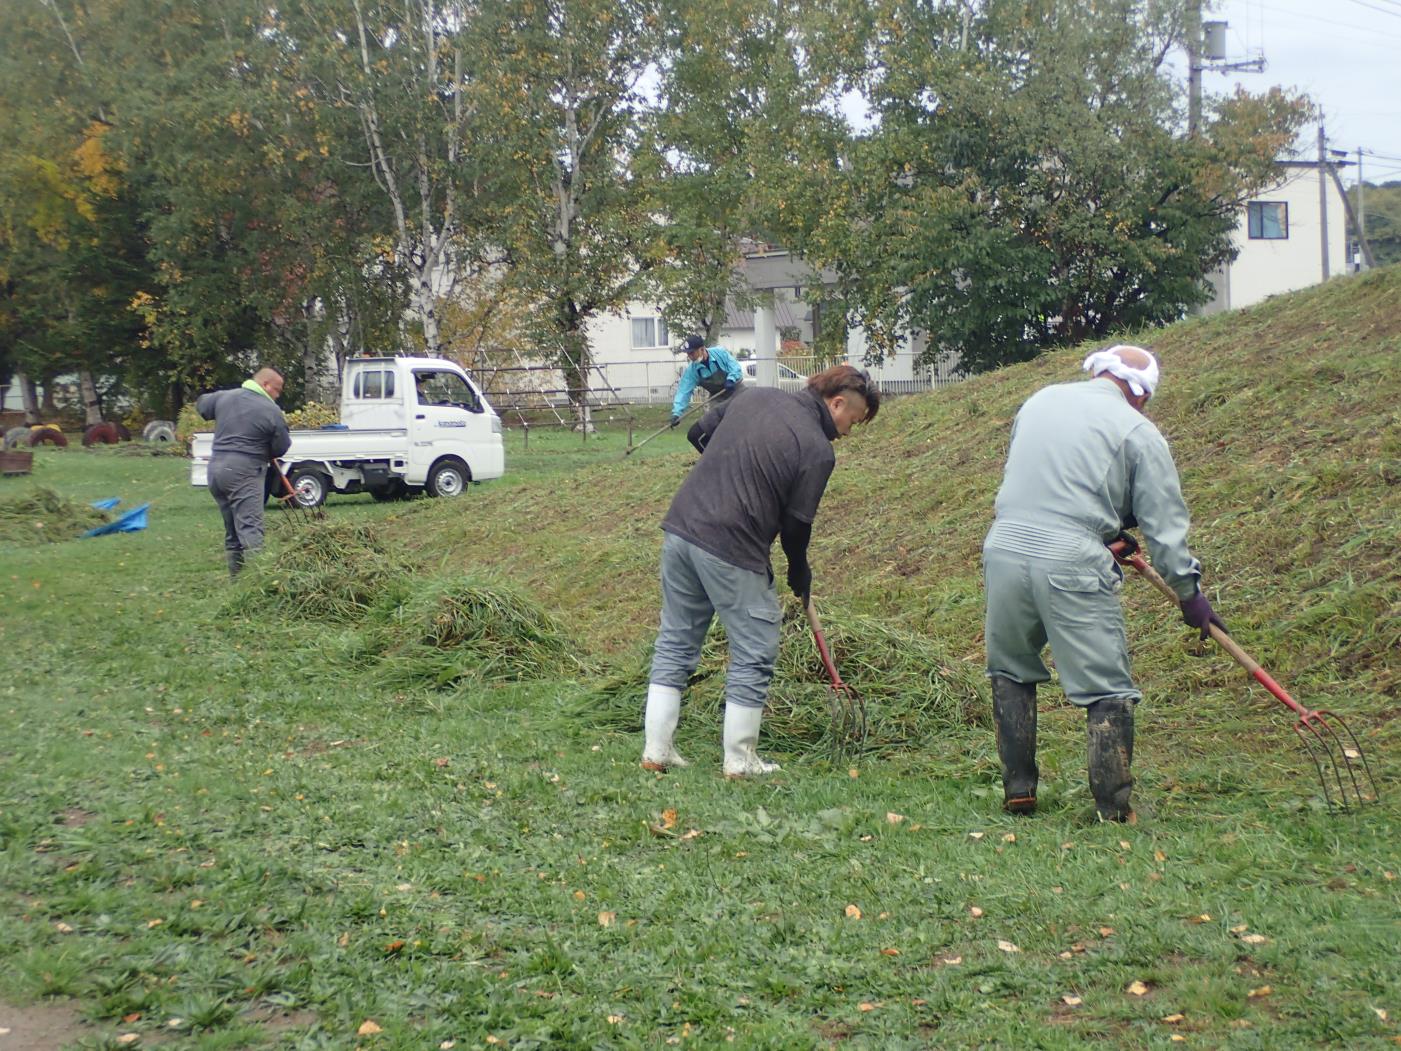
16 462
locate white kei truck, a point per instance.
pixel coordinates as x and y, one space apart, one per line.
407 424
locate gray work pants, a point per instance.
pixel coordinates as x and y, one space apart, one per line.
1072 605
697 586
238 484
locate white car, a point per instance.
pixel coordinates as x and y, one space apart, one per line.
788 379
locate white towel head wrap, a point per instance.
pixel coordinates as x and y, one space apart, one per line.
1140 380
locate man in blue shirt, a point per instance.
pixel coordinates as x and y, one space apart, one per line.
713 369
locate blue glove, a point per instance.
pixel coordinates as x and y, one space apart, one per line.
1197 613
729 385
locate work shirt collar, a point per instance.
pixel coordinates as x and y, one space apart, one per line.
253 385
824 415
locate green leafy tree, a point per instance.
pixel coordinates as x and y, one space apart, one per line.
1383 220
565 78
1025 185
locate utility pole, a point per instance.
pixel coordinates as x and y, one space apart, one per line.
1194 67
1362 215
1323 169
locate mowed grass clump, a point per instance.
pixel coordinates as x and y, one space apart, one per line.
452 628
42 516
914 692
329 569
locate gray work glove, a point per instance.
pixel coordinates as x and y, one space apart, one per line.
1197 613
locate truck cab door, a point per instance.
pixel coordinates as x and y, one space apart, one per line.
447 417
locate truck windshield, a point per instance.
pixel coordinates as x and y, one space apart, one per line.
445 388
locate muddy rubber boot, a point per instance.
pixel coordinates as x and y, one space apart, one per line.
1109 728
1014 716
659 727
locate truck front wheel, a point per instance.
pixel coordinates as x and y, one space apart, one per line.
448 477
311 486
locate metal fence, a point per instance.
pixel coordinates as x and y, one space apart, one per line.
522 388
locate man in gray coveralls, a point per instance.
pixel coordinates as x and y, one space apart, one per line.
249 432
1084 463
762 476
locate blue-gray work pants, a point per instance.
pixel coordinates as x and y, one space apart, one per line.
238 484
1072 605
697 586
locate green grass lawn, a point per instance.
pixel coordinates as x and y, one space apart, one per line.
225 829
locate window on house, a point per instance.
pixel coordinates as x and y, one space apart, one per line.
374 385
1267 220
648 332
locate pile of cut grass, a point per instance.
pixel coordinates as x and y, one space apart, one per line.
914 691
450 629
330 570
42 516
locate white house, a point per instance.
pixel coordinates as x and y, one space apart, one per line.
1291 236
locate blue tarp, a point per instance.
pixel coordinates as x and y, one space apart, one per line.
126 522
108 504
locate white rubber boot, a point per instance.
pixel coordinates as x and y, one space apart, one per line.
741 741
659 727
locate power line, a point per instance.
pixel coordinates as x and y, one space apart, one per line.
1378 39
1373 7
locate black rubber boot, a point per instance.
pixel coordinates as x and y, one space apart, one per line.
1014 716
235 560
1110 732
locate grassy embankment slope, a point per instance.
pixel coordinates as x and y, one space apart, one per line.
223 827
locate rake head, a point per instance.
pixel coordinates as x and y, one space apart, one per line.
1337 757
848 728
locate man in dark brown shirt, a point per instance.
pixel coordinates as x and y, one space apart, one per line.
768 455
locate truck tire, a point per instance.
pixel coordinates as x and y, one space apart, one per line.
449 477
158 432
16 437
311 486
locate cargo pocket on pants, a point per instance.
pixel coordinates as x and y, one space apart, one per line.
1077 599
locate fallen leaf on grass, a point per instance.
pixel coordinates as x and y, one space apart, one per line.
691 833
1010 837
1254 939
1125 844
976 835
1007 946
447 1045
853 913
975 912
1137 988
605 919
135 1016
1159 856
1203 917
615 1019
1105 932
63 928
125 1040
853 772
866 1006
1260 993
343 940
669 818
1173 1019
950 961
918 1002
154 923
1071 1001
1380 1013
890 952
369 1027
579 895
394 946
892 818
441 761
1240 928
1178 1038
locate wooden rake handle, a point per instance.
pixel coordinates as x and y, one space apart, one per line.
822 647
1245 660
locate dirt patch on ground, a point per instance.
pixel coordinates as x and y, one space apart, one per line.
47 1026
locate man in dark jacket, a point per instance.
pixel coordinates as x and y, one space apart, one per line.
249 432
763 473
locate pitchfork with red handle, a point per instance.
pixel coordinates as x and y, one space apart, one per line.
1342 768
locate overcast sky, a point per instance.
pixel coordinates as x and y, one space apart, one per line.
1345 54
